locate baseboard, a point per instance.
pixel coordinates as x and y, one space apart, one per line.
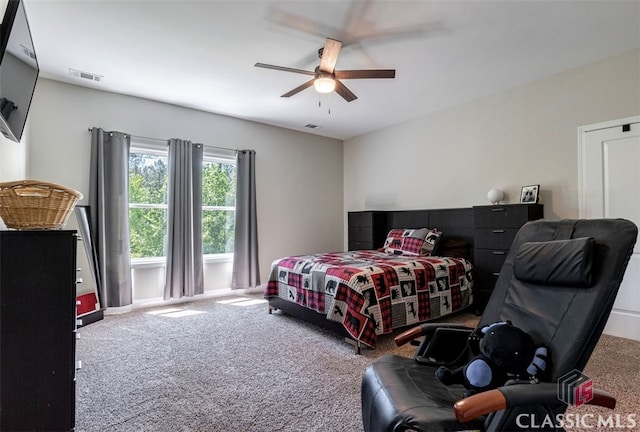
624 324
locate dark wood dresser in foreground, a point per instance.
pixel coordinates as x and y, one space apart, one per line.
495 228
37 330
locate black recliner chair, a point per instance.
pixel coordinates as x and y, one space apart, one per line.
558 283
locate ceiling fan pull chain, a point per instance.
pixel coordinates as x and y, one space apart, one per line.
320 103
326 97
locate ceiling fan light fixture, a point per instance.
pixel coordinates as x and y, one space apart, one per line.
324 84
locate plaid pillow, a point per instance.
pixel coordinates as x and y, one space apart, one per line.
411 242
431 241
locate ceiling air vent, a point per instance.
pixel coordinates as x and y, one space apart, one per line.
85 75
311 126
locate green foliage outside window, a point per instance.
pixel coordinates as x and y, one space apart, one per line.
148 181
218 202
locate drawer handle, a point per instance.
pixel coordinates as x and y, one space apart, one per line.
496 274
498 252
497 231
497 209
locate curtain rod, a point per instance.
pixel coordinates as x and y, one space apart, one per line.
164 140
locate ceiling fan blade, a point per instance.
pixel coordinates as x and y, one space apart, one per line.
299 88
353 29
285 69
343 91
365 73
375 35
300 23
330 54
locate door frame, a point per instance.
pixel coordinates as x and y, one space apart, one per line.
582 174
620 323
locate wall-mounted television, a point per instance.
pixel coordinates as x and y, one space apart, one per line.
18 70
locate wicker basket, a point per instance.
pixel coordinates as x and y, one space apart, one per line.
36 205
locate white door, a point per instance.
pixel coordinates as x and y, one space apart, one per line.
610 188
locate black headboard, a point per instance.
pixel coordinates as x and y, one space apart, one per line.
368 229
456 223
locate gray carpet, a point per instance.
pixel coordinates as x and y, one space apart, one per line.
228 368
613 367
212 366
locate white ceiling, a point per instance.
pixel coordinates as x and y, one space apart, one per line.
202 54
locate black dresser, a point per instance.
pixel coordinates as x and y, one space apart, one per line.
495 229
367 229
37 330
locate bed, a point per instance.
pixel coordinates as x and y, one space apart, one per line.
365 293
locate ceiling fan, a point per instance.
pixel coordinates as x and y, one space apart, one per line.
325 78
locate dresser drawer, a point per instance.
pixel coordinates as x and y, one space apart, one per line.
361 218
489 260
495 229
360 233
495 238
367 229
508 216
484 283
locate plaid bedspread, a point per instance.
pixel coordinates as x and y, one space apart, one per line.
372 292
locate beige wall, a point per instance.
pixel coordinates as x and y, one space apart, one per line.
298 175
526 135
13 160
13 157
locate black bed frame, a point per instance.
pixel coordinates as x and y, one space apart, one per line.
456 224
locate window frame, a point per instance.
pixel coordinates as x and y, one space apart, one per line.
157 149
211 155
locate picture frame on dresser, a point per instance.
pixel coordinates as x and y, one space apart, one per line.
529 194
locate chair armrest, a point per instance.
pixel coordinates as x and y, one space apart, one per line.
522 394
426 329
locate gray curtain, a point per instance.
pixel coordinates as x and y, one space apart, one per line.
246 270
109 201
184 274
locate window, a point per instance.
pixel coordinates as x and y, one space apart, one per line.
148 182
218 205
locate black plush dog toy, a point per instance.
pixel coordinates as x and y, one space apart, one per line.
506 352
